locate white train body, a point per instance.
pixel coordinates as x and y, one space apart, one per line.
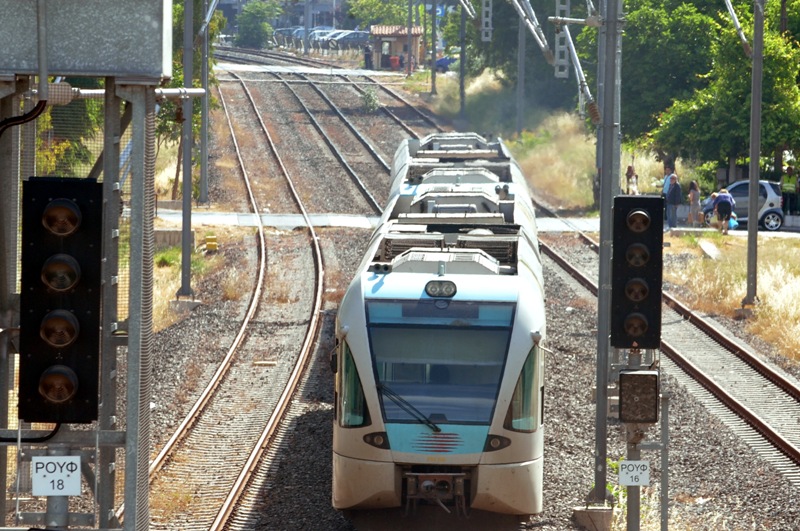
439 366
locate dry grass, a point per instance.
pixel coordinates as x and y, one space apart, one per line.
166 163
719 286
234 282
560 164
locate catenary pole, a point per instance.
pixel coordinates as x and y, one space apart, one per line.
755 152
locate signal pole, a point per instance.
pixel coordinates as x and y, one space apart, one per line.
609 150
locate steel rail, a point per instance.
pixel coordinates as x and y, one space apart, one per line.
305 353
372 81
369 147
334 150
205 397
739 409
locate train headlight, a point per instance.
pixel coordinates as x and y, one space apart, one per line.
440 288
378 440
495 442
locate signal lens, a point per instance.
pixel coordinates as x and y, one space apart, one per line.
62 217
635 325
638 220
59 328
637 255
61 272
636 289
58 384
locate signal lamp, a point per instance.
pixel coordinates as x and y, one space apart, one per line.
60 300
58 384
62 217
61 272
636 272
59 328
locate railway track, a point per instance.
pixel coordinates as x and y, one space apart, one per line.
756 393
248 440
241 517
240 410
411 119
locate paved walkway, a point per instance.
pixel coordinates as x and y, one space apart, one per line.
291 221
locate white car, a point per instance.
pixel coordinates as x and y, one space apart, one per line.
770 212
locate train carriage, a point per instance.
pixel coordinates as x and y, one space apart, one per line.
439 367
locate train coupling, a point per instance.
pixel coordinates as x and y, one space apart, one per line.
443 489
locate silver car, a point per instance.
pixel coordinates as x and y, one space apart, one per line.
770 213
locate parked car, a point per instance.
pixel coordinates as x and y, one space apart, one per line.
352 39
317 36
770 213
443 63
325 41
283 36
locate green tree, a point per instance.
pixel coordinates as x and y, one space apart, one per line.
369 12
71 126
664 57
255 30
714 123
169 120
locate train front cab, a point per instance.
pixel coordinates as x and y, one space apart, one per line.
495 467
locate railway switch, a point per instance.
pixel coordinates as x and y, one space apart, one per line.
636 272
639 396
62 221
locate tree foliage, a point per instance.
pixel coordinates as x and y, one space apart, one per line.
685 79
169 119
714 123
255 30
390 12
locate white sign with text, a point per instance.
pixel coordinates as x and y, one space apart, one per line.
634 473
56 475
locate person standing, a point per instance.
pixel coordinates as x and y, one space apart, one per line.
668 174
632 180
368 57
723 205
694 205
674 198
789 191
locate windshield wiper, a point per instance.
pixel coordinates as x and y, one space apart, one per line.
408 407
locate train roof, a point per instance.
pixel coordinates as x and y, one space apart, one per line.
416 157
458 204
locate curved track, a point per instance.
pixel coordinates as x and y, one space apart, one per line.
237 410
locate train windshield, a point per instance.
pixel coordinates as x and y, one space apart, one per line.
445 358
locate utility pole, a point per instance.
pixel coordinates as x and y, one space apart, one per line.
755 152
186 231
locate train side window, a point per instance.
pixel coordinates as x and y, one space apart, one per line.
352 410
523 410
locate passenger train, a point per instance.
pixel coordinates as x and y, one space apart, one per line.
439 363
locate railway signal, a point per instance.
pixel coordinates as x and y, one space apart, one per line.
636 272
59 364
639 395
